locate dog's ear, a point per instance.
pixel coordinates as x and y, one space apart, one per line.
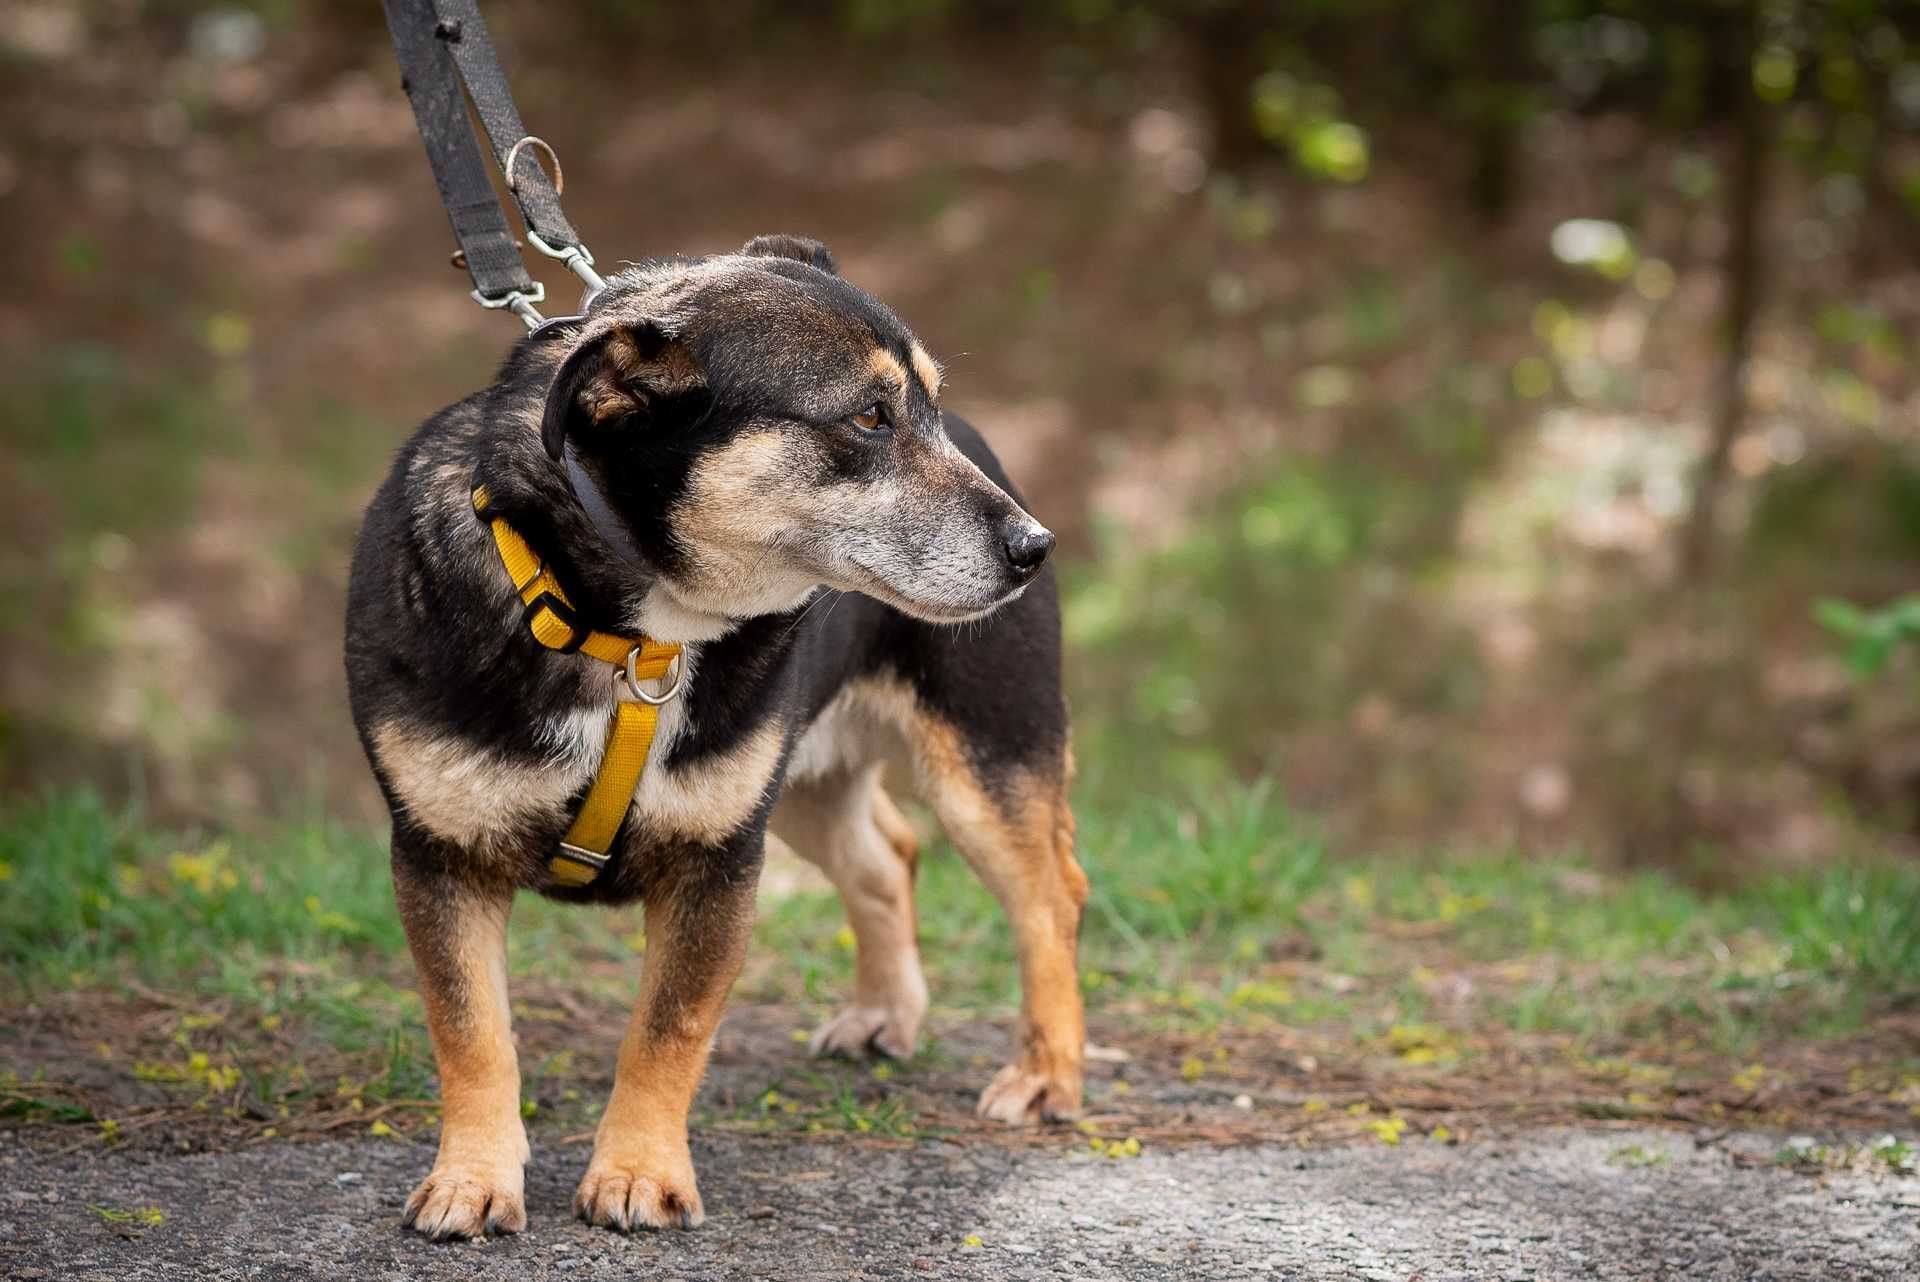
802 249
625 372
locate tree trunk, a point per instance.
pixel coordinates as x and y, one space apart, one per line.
1496 111
1746 196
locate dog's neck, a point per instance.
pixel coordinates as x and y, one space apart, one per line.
565 516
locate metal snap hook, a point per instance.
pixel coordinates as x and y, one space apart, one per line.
675 672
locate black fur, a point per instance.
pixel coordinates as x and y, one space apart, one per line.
432 641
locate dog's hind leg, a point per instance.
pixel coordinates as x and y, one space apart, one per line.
697 924
457 930
1015 830
845 823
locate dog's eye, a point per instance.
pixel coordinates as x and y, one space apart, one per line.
871 419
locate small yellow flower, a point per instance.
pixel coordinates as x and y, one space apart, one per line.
1440 1134
1358 891
1389 1129
1193 1069
843 939
972 1242
380 1130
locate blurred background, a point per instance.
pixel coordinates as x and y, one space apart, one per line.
1494 422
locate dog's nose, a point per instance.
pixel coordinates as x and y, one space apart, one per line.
1027 547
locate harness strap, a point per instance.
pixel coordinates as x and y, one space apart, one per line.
550 618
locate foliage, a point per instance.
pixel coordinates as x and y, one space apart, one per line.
1872 636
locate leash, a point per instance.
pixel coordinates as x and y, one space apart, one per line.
443 46
446 56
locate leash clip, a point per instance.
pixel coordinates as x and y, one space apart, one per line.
519 302
675 672
576 259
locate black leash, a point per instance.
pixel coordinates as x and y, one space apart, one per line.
443 45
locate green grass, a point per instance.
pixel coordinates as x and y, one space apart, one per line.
1196 910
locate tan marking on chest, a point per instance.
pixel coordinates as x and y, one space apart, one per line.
710 799
464 794
474 799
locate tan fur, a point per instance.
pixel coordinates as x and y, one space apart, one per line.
460 947
641 1174
728 518
846 825
475 800
708 801
928 369
1021 846
463 793
887 367
1017 838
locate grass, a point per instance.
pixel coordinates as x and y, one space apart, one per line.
1215 890
279 968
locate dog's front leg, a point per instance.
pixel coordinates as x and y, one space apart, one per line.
697 924
457 930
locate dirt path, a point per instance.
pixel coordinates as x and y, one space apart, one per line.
1545 1204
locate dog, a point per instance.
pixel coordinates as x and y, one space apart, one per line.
741 461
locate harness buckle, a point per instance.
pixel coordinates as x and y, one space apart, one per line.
561 611
573 865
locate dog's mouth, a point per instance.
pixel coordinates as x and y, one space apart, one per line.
942 610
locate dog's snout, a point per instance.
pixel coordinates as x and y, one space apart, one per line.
1027 546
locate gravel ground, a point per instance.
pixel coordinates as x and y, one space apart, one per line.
1551 1204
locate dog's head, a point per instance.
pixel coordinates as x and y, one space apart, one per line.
762 428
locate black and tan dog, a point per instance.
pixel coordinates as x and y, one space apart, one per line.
745 456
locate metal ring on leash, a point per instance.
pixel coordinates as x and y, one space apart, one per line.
513 157
675 672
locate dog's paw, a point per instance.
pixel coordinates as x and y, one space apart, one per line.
626 1196
1023 1096
457 1201
866 1032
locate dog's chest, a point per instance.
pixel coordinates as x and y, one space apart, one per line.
704 797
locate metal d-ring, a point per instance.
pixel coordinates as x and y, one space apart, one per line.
675 671
513 158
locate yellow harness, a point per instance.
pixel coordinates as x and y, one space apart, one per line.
551 620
